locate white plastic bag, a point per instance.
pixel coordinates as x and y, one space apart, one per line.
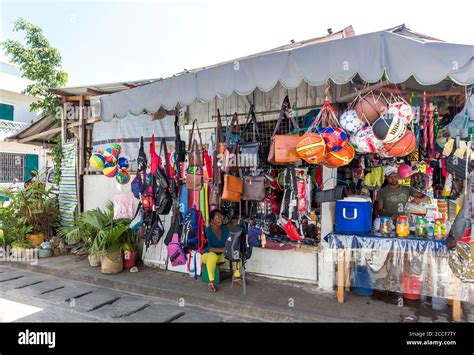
123 206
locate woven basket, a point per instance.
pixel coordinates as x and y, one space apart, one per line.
111 263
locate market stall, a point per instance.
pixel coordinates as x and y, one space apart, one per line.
276 146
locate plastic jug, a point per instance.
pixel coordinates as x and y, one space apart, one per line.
403 229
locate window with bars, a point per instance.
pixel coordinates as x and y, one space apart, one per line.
12 167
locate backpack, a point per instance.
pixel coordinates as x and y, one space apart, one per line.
192 234
193 237
236 246
154 233
147 204
237 249
162 185
175 251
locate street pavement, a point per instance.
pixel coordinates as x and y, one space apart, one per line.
27 296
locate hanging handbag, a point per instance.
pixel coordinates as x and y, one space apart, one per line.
214 195
180 145
233 188
283 147
141 159
457 164
195 150
254 188
250 152
230 157
194 181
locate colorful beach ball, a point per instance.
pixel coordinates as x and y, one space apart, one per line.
117 147
97 161
123 163
110 155
122 177
100 151
335 139
110 170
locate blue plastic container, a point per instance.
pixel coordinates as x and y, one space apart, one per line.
354 215
361 282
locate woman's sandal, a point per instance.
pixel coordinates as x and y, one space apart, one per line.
239 281
211 287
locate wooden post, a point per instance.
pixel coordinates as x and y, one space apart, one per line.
340 275
81 156
347 270
81 135
457 310
63 120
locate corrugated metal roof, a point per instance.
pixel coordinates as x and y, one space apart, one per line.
43 124
8 128
100 89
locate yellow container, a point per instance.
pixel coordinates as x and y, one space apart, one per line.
35 238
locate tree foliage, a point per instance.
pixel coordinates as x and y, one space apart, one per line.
39 62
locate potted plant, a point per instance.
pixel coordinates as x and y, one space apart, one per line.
84 230
34 206
102 236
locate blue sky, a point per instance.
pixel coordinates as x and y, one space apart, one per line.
111 41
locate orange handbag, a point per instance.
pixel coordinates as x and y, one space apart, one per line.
233 188
283 146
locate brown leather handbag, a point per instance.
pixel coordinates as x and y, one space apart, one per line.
233 187
195 150
283 146
194 182
254 188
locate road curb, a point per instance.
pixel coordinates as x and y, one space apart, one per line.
268 314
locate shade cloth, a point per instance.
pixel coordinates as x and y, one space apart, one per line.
370 56
67 186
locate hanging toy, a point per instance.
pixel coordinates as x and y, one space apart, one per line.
97 161
351 122
110 155
117 147
335 139
122 177
123 163
341 157
110 170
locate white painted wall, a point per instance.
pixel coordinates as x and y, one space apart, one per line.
21 104
44 161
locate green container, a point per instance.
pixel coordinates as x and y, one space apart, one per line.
45 253
205 275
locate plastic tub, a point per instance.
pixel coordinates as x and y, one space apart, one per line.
361 282
410 286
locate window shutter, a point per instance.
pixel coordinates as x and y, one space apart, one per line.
6 112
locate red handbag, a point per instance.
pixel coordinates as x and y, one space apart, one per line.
289 229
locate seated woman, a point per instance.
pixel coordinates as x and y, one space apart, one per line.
216 234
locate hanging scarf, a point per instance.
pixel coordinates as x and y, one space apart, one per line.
430 142
425 122
435 128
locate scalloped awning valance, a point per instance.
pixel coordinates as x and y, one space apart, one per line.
370 56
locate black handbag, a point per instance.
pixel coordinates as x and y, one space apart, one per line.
163 196
251 152
141 159
154 234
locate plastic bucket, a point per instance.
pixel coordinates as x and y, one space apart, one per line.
129 259
410 286
361 282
